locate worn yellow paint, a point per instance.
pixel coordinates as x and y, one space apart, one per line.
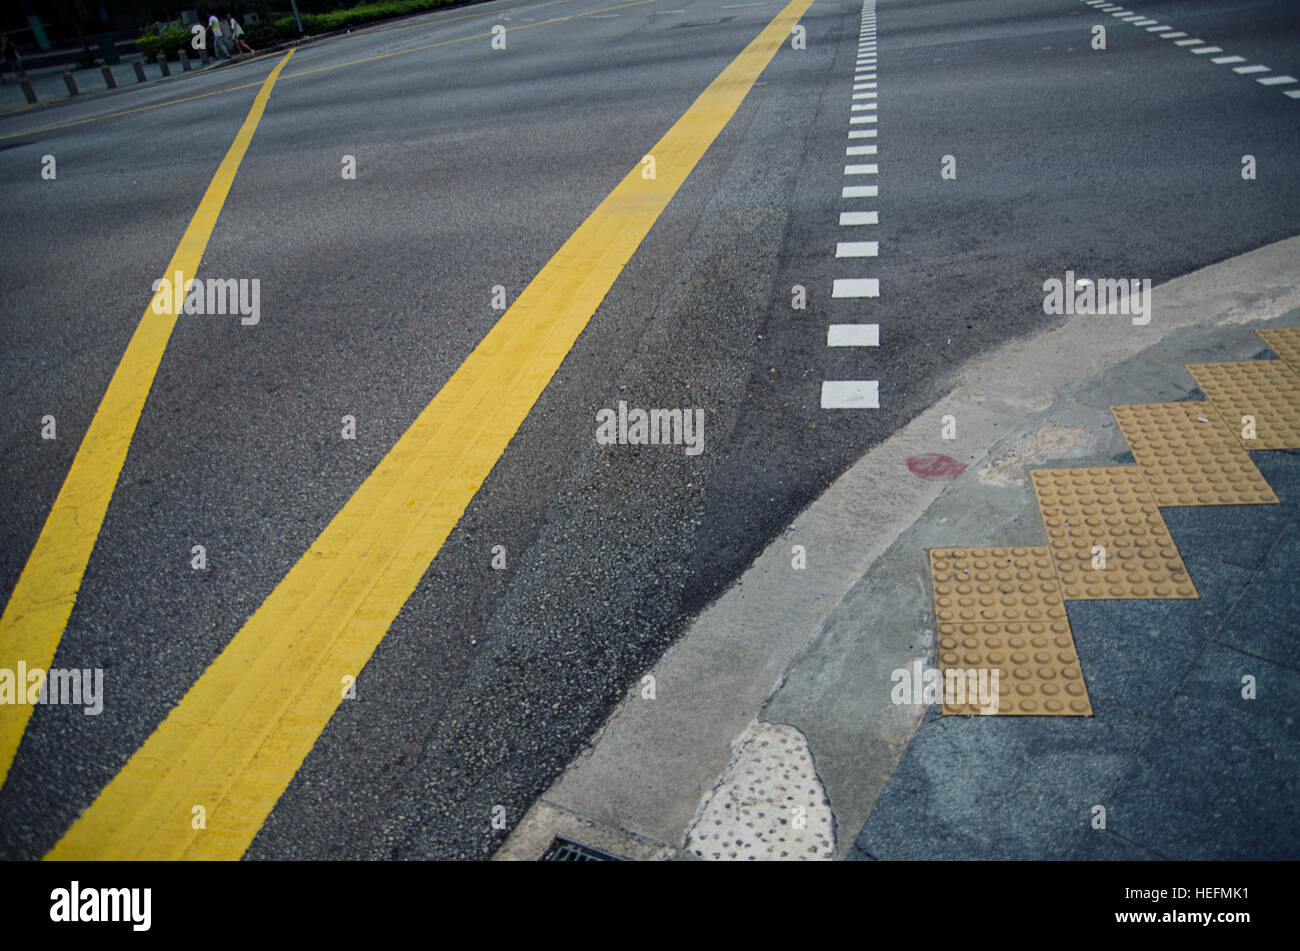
38 610
236 739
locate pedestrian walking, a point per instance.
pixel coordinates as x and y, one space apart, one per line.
9 57
218 42
237 35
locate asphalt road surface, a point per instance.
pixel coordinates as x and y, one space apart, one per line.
474 166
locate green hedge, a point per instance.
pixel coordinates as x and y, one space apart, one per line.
272 28
164 38
367 12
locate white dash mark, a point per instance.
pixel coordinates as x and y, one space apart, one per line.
857 249
853 335
856 287
851 218
851 394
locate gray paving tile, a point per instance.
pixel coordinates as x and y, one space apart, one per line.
1000 787
1220 778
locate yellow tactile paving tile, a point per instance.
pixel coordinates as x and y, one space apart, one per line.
995 584
1285 342
1038 671
1107 536
1189 456
1268 391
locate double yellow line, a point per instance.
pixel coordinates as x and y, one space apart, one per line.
228 750
37 612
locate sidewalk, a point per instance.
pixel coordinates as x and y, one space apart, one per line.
49 85
778 731
1184 766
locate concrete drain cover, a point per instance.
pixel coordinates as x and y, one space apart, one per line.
769 804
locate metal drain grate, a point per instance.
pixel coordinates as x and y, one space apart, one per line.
566 850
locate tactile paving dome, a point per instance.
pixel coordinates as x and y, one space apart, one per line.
1285 342
995 584
1039 673
1112 508
1003 608
1268 390
1189 456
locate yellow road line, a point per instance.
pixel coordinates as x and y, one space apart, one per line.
38 611
322 69
236 739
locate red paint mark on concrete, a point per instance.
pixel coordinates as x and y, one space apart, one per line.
931 465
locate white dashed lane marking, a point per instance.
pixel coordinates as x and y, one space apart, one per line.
850 218
853 335
851 394
855 287
858 394
1196 46
857 249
